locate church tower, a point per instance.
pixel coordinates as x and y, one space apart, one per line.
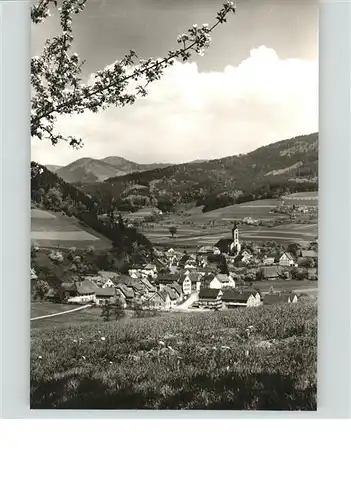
235 246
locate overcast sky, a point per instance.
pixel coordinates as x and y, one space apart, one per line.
257 84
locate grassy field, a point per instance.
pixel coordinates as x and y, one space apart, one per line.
58 230
195 228
253 359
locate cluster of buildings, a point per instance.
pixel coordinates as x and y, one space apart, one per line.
174 278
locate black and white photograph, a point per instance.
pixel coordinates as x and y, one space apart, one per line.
174 205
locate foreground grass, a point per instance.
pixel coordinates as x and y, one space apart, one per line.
262 359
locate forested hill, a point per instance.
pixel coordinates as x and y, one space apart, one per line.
285 166
50 192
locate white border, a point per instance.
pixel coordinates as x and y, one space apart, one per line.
334 388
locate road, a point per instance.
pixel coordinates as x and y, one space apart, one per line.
188 303
62 312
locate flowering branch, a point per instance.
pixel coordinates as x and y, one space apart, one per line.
57 86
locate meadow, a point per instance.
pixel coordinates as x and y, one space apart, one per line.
252 359
55 230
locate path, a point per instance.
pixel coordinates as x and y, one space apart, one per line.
188 303
62 312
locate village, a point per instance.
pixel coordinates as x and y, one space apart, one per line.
223 276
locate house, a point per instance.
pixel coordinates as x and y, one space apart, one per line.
190 264
281 298
270 273
166 279
173 295
178 290
126 293
159 300
234 298
148 286
105 275
286 259
150 270
81 292
222 281
256 294
195 279
104 295
186 284
207 250
246 256
268 260
209 298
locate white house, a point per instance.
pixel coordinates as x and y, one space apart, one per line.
287 259
186 284
104 295
246 256
268 260
222 281
83 293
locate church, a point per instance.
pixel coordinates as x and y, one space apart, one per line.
230 246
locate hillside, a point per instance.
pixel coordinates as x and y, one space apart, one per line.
68 217
91 170
269 171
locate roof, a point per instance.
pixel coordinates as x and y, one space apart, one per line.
270 272
176 286
127 292
149 266
271 299
163 294
171 292
208 293
109 291
86 286
167 278
223 278
235 296
206 249
147 284
288 255
194 277
223 244
108 274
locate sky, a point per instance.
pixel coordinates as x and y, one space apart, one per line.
257 84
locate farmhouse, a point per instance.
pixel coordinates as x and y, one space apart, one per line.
270 273
209 298
159 300
283 298
221 281
80 292
104 295
287 259
125 292
233 298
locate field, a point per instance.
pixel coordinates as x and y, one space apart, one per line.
195 228
253 359
60 231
